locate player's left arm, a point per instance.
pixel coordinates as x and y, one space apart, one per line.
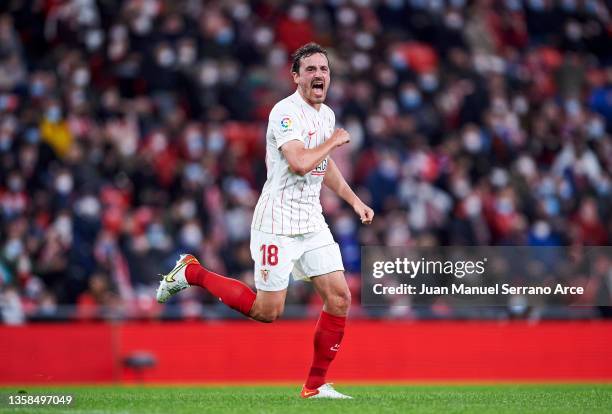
334 180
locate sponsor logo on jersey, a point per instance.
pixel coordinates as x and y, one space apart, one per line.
286 123
335 348
321 168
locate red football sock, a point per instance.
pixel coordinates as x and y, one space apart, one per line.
232 292
327 339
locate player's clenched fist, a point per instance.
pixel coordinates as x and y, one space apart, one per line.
365 213
341 137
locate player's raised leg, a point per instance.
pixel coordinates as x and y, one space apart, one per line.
262 306
329 331
189 272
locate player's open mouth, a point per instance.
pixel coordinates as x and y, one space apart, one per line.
318 86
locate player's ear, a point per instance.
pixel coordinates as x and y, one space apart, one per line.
295 77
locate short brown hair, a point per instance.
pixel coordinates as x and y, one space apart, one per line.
308 49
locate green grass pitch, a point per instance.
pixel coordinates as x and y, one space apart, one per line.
491 398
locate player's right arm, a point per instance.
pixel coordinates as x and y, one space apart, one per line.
302 160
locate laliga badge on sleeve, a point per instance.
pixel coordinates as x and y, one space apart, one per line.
286 123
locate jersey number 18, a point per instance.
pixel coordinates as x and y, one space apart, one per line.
269 252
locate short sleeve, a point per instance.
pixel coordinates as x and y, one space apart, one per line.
332 123
285 126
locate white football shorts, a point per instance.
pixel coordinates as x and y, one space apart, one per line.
304 256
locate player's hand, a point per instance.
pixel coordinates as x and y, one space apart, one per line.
340 137
365 213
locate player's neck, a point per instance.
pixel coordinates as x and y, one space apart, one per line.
316 106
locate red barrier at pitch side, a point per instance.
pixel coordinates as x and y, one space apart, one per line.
248 351
56 353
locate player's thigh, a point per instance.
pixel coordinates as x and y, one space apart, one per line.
321 256
274 257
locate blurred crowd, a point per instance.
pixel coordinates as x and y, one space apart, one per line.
132 130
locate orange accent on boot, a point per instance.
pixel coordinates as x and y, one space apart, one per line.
190 259
306 393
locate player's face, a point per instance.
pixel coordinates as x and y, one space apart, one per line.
313 78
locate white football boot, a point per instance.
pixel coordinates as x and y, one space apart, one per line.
324 391
175 281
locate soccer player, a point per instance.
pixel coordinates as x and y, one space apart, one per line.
288 233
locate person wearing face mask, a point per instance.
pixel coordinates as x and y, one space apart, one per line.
289 234
54 130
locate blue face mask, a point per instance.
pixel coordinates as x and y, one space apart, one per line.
569 5
552 206
13 249
225 37
37 89
429 83
156 236
603 188
398 62
397 4
536 5
5 143
596 129
513 5
32 136
410 99
54 114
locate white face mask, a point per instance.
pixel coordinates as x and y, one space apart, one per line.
298 13
365 40
277 57
81 77
63 225
344 226
472 141
187 209
263 37
596 128
526 166
88 206
142 25
186 55
5 142
191 235
94 39
541 229
166 57
461 187
195 143
216 142
209 74
473 206
64 183
13 249
54 114
15 183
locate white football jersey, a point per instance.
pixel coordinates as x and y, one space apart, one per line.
289 204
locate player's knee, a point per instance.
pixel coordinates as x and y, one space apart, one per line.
268 315
340 302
